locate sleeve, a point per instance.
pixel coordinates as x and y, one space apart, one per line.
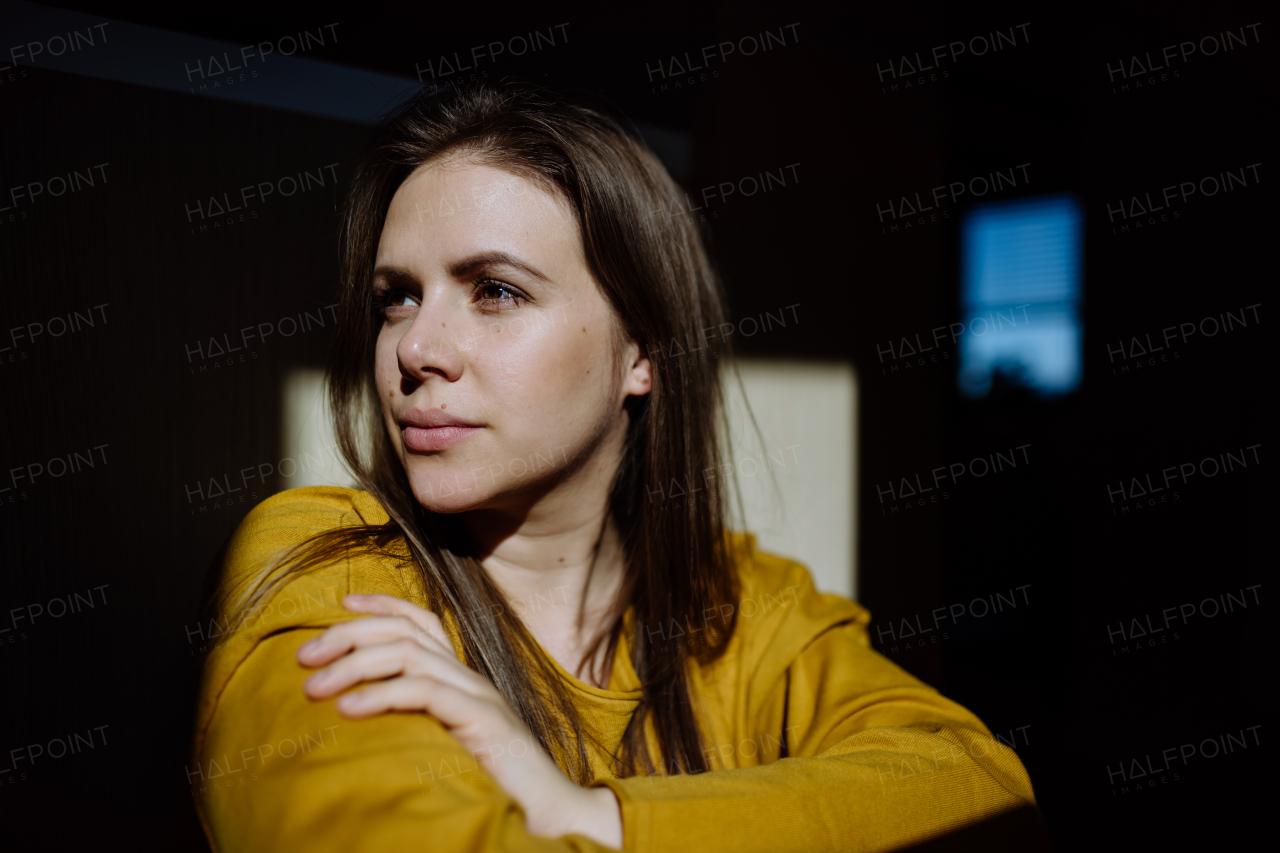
275 771
875 759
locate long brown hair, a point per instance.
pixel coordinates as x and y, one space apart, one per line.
645 250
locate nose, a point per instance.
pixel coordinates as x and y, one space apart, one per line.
429 346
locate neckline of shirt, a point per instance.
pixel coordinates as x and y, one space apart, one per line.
624 684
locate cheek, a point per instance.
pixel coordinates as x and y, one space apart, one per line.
386 372
386 365
554 369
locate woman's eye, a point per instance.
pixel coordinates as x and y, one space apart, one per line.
493 291
392 303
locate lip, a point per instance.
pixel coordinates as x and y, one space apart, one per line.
434 430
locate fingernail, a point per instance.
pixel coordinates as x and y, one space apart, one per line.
309 646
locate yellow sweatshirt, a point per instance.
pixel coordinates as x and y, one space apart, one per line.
876 760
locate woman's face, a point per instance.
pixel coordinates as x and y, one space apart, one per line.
497 371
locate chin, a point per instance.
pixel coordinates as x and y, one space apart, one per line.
446 492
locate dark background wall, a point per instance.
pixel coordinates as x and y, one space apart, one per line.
127 392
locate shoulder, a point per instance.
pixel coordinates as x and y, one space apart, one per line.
780 612
281 523
292 516
772 583
311 508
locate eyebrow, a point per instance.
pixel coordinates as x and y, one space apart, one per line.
394 274
466 267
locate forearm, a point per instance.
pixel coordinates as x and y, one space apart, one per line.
878 790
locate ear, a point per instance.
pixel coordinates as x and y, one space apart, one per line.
639 378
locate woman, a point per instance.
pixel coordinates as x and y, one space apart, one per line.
513 636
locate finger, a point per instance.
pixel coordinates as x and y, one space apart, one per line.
388 605
493 735
401 656
339 639
448 704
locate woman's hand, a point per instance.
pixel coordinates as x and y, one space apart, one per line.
404 652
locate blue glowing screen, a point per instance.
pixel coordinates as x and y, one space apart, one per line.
1020 293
